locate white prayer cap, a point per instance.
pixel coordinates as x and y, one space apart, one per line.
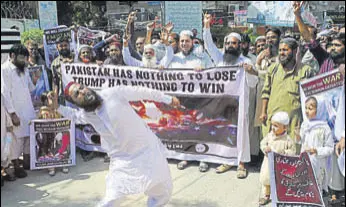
84 46
260 38
281 117
233 34
149 46
186 32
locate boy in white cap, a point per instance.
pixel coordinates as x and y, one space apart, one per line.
276 141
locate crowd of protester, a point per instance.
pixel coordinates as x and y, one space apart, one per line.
274 63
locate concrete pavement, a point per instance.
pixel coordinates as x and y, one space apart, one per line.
84 186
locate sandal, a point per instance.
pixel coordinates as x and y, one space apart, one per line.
203 167
241 173
182 165
264 201
223 168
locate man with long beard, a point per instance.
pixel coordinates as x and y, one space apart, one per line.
281 87
231 57
65 56
15 88
137 159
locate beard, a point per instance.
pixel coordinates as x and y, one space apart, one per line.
65 53
284 60
20 66
91 101
114 60
337 56
149 62
245 51
231 55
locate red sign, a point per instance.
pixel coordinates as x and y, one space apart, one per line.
293 181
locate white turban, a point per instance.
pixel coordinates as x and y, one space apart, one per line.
281 117
233 34
150 46
186 32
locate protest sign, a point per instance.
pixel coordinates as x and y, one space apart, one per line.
338 17
274 13
327 87
39 78
240 17
48 14
49 42
185 15
210 125
89 37
52 143
292 181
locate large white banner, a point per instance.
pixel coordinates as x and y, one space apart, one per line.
210 124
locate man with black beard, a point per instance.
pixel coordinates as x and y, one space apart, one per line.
327 61
231 57
281 87
16 88
137 157
65 56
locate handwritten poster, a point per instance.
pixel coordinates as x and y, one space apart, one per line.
292 181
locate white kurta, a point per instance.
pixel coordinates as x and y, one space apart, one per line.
17 97
320 138
137 156
191 61
251 81
131 61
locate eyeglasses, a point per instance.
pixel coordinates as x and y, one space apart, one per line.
262 45
139 43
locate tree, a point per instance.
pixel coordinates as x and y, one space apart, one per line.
33 34
84 13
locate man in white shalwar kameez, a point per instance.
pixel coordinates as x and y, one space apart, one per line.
150 55
137 158
232 57
17 100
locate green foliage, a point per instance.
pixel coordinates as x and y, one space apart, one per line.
33 34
